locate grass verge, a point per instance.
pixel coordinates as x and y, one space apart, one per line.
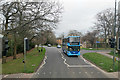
101 61
96 48
33 60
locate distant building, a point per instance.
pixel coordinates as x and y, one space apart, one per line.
59 41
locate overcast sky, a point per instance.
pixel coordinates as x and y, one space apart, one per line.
80 14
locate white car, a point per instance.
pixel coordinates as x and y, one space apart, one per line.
49 45
58 46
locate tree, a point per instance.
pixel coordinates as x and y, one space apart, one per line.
25 19
74 33
105 23
90 37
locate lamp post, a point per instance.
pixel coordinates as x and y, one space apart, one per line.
114 36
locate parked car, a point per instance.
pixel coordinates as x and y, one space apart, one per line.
49 45
58 46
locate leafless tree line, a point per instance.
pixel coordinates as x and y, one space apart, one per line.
29 19
103 27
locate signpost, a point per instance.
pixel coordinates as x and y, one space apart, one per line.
26 48
118 42
24 60
1 37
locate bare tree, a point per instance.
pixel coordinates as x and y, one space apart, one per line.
90 37
25 18
105 23
74 33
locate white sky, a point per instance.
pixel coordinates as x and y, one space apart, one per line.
80 14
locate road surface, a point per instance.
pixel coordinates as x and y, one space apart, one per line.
59 65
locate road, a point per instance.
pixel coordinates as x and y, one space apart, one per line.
59 65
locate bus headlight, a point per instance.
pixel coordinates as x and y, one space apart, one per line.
67 47
78 49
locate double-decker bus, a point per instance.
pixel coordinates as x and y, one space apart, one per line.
71 45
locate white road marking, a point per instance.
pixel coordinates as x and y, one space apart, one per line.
44 62
93 65
86 72
64 60
84 60
5 75
38 73
80 66
50 72
74 66
79 72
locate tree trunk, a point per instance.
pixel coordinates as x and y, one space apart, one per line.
15 47
105 39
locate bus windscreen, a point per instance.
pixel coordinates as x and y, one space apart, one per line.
74 39
73 48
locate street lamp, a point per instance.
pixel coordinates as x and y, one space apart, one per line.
114 34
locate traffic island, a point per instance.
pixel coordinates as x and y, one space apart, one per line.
33 60
101 61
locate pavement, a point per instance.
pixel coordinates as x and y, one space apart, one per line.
105 54
58 65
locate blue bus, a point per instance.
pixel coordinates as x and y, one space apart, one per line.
71 45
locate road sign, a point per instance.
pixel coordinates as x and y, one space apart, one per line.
97 41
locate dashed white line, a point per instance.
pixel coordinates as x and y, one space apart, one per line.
43 62
86 72
79 72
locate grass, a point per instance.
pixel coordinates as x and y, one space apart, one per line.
33 60
101 61
96 48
